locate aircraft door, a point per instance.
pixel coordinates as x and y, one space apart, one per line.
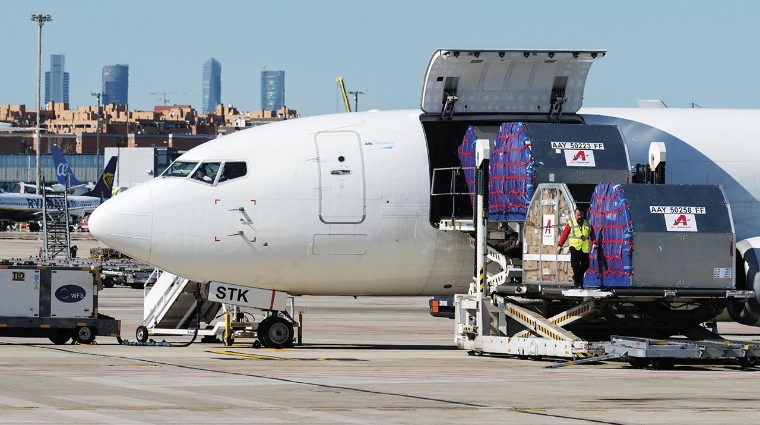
341 177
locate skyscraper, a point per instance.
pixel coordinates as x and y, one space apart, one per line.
272 90
115 84
212 85
56 80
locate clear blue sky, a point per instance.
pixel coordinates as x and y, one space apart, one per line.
674 50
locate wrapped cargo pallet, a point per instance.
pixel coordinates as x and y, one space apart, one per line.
526 154
683 234
466 153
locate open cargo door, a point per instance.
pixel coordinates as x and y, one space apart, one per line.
506 81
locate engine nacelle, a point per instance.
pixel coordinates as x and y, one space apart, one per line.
747 278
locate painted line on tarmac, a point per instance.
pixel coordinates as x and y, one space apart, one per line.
250 356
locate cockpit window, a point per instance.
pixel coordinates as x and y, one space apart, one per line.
233 170
207 171
179 169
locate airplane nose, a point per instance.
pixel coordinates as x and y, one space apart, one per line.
125 222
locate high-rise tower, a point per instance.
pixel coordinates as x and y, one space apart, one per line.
57 80
272 90
115 84
212 85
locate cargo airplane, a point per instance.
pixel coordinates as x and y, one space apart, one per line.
342 204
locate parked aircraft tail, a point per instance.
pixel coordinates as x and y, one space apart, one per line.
104 186
62 168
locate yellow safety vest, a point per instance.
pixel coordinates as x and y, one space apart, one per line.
579 235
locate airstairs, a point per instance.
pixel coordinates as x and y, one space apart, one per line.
171 304
55 225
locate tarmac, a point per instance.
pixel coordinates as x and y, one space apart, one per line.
365 360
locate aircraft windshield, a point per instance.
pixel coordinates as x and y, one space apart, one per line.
233 170
207 172
179 169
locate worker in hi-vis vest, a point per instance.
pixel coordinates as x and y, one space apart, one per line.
580 235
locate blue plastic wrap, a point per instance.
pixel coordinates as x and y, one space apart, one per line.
609 214
466 154
511 171
512 174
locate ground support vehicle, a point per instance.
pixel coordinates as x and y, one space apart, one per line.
216 311
666 353
125 272
117 268
522 300
52 300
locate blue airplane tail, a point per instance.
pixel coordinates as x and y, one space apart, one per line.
62 169
104 186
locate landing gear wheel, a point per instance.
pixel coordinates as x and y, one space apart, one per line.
60 339
229 341
261 332
141 334
85 335
279 333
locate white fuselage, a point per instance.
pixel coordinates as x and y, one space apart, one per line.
339 204
28 207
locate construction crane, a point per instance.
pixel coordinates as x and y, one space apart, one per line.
163 96
165 100
343 92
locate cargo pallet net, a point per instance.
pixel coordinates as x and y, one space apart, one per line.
511 170
610 216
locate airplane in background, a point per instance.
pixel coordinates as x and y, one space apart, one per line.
23 207
63 172
341 204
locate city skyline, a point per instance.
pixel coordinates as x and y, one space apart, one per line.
680 52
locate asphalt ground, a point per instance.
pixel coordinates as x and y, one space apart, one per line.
365 360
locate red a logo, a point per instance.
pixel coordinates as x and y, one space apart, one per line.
548 229
681 220
580 155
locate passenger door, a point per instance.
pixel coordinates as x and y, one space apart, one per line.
341 177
